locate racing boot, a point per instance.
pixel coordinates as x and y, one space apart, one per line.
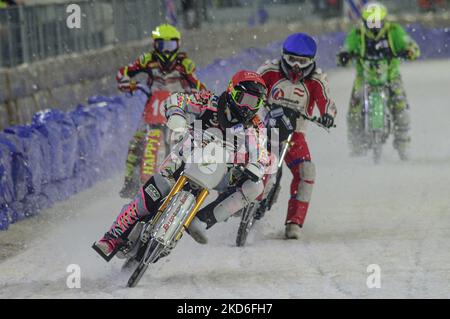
293 231
114 237
402 138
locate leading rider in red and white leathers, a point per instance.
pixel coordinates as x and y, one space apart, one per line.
295 83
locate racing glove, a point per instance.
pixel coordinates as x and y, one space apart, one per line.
326 120
127 86
343 58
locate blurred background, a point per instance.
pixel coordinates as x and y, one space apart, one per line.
43 63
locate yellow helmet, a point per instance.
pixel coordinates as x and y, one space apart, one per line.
166 32
166 42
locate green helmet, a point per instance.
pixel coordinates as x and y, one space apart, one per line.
374 11
374 16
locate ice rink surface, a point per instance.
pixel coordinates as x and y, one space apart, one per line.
395 215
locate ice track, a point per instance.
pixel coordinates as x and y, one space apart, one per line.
396 215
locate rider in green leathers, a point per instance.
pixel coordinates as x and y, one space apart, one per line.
378 38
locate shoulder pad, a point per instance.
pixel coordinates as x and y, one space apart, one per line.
318 71
145 59
320 75
269 65
188 65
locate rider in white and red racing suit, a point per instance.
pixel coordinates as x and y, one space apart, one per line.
296 84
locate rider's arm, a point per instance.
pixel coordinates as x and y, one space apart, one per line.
321 95
182 105
402 42
352 46
141 64
187 68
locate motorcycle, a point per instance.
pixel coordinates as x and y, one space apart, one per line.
256 210
156 236
376 115
376 118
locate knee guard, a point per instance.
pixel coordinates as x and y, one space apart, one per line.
251 190
228 204
154 191
307 177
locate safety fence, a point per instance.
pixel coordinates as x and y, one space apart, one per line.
62 153
37 32
33 33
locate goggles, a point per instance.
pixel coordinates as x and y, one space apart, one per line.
300 61
166 45
244 99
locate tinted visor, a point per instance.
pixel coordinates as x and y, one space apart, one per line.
246 100
166 45
300 61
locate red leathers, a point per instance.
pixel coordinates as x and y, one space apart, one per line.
303 96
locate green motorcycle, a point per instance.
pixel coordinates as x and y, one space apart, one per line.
376 115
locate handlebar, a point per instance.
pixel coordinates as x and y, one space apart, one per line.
141 87
298 114
404 55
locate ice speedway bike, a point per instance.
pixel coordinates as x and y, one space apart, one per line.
156 143
256 210
156 236
376 118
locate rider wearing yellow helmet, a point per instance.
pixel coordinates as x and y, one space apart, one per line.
377 38
165 65
168 69
166 42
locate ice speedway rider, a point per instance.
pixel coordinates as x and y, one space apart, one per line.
235 110
378 38
167 69
296 86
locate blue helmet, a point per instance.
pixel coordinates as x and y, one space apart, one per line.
299 56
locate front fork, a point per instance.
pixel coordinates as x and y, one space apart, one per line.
181 182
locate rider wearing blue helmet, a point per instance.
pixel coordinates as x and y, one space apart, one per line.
299 56
296 87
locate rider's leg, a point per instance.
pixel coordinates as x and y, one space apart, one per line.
146 202
399 106
229 203
354 120
135 151
298 160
